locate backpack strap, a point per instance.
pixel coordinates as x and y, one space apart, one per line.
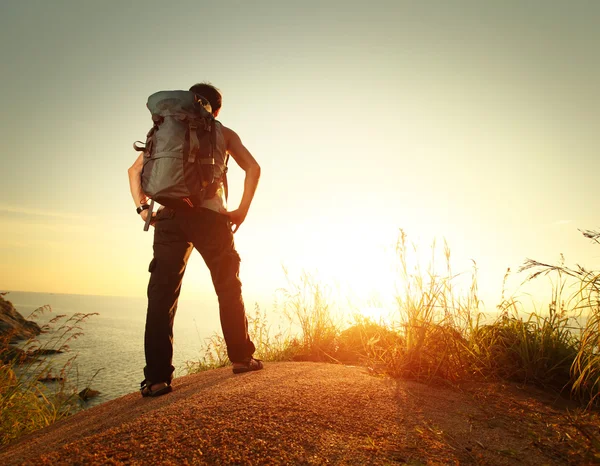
224 176
194 150
149 218
194 142
211 158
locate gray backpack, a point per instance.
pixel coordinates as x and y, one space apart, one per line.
181 164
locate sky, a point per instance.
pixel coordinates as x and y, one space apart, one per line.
465 121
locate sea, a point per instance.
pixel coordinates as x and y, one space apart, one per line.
109 352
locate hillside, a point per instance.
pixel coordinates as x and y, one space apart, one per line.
312 413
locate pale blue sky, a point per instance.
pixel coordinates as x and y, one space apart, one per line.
476 121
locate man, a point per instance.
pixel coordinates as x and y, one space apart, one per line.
210 230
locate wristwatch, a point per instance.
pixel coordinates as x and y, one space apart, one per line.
142 208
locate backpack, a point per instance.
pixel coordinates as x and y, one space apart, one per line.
181 164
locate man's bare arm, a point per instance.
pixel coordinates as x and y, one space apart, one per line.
135 181
135 184
246 161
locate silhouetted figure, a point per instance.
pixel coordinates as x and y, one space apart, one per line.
206 226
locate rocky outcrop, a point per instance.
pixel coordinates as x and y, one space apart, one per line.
87 394
13 325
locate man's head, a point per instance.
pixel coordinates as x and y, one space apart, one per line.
211 93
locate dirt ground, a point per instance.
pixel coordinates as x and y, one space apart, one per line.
315 413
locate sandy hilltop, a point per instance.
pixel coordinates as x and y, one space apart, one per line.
310 413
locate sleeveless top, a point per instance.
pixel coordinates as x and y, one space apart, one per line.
218 201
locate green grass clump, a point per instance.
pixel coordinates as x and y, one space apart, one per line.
537 350
445 336
434 319
585 307
367 342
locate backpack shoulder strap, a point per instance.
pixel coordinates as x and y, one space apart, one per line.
149 218
219 126
225 184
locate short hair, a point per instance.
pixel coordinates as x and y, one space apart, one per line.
210 93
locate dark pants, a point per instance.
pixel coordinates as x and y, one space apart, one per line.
175 233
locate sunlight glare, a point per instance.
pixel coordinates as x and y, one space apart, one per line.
376 314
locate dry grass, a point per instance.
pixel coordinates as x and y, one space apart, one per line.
440 333
27 403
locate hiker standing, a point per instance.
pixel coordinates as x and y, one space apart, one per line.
186 139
